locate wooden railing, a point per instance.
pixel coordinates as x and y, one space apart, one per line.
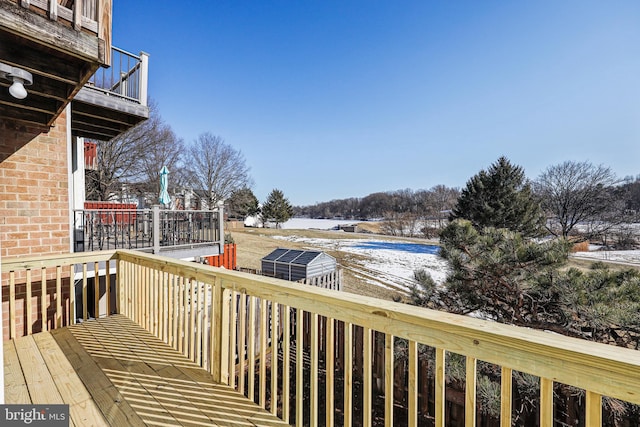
39 292
89 15
277 343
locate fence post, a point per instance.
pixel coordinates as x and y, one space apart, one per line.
221 225
218 371
155 211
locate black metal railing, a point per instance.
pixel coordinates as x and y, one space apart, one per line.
179 228
152 229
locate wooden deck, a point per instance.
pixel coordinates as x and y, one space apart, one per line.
112 372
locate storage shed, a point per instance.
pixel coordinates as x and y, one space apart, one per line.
295 264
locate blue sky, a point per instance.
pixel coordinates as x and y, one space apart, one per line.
335 99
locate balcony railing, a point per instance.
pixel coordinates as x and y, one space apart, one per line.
93 16
150 229
81 13
278 343
126 78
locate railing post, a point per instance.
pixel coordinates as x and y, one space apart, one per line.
123 84
104 28
144 77
221 225
217 319
77 15
53 10
155 221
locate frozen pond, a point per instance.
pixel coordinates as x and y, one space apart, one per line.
414 248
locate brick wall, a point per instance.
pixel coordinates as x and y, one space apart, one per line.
34 208
34 195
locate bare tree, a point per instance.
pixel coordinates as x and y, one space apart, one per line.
578 194
437 203
406 224
163 148
216 168
118 161
134 159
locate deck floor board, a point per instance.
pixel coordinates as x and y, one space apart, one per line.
113 372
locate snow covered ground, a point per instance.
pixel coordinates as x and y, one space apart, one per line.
392 263
384 263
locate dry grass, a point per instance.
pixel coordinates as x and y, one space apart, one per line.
370 227
586 265
580 247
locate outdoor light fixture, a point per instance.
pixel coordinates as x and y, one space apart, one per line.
19 77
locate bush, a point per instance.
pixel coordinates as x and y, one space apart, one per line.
580 247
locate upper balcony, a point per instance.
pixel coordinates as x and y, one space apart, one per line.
61 43
114 99
138 339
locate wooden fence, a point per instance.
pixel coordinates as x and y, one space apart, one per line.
331 280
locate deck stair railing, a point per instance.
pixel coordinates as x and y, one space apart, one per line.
234 324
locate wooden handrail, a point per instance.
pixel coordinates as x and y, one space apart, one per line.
568 360
229 322
40 261
38 281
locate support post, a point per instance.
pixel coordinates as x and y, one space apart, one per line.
155 212
221 225
144 77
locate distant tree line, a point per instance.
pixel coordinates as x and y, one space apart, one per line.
404 211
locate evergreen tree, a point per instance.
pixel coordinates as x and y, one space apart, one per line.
500 197
277 208
498 274
243 203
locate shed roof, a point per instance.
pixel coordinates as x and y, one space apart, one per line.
292 256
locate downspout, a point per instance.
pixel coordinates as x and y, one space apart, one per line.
75 167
